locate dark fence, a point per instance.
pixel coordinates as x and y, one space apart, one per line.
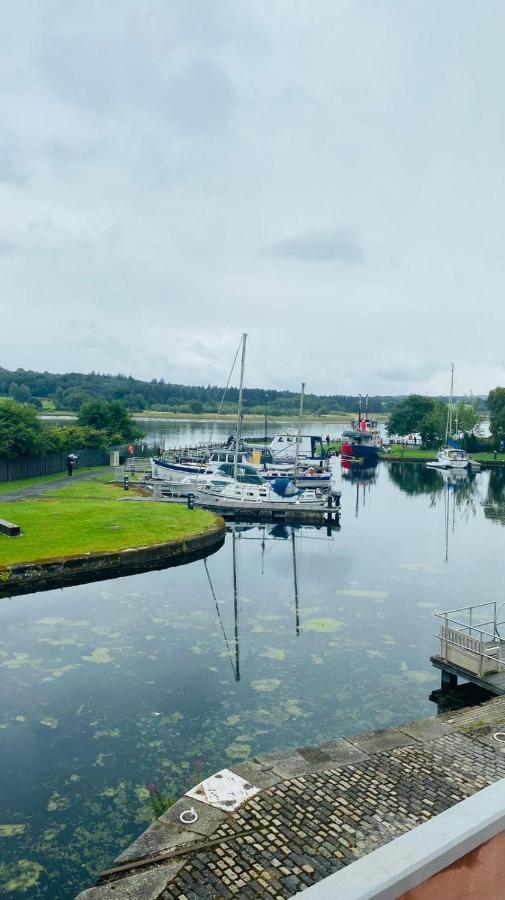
48 463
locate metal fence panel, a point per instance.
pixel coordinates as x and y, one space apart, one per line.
33 465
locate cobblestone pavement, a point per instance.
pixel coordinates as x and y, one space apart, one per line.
319 809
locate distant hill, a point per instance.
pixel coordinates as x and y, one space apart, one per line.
69 390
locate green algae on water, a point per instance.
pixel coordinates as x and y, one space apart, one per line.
376 596
274 653
11 830
19 876
327 625
49 722
99 656
265 684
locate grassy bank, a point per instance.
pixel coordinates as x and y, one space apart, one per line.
9 487
92 517
396 451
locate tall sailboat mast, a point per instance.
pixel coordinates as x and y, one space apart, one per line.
239 417
299 433
448 429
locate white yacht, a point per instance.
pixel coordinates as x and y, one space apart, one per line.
451 456
224 490
237 485
166 469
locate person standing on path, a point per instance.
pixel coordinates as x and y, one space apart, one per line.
70 465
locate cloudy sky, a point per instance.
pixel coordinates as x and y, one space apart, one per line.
326 176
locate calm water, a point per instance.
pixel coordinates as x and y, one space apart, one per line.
105 687
191 431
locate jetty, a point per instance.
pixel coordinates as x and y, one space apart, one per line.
472 646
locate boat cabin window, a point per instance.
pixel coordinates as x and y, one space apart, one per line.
245 474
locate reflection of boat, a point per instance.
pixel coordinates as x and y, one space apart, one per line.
267 534
363 475
362 472
363 440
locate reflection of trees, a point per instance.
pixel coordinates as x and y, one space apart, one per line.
415 478
494 507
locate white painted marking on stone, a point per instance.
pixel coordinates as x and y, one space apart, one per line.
225 790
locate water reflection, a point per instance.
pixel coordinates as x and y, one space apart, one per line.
494 504
414 478
362 476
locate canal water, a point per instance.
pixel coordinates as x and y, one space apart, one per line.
176 432
281 639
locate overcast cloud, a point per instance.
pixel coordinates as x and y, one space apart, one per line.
328 177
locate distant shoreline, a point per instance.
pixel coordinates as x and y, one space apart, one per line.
223 417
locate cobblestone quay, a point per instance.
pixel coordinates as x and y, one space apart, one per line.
317 809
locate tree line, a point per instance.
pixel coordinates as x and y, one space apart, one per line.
70 390
100 423
428 417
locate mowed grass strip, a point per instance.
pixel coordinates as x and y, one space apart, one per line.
55 528
9 487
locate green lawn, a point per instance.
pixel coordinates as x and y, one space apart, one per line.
418 453
410 452
68 525
7 487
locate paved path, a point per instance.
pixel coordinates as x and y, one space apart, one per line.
36 490
319 809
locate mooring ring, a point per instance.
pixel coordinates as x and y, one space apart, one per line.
189 816
499 736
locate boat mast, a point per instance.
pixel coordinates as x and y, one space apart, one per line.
448 428
239 417
299 434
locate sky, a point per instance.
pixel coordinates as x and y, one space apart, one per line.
328 177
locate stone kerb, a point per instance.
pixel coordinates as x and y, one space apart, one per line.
34 576
316 810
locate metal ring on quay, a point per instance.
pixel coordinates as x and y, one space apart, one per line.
499 736
189 816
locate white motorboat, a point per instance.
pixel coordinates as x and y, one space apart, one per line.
450 458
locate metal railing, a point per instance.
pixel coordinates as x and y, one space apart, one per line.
472 640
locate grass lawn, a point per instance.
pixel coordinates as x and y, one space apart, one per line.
7 487
67 525
410 452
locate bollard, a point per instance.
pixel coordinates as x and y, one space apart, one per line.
191 501
126 482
